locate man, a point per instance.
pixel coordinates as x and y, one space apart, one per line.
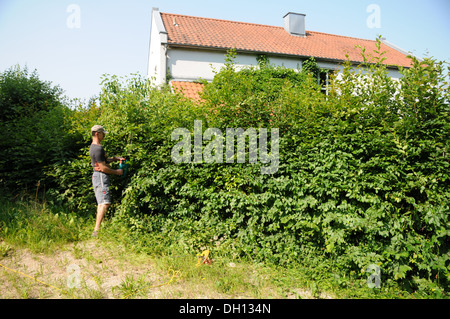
100 177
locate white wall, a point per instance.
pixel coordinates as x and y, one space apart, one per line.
185 64
190 64
157 65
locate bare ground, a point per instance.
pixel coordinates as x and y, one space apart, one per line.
95 270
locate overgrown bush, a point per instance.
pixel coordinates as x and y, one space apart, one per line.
363 173
138 118
34 126
262 97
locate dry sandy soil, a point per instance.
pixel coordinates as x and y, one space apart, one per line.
94 270
84 270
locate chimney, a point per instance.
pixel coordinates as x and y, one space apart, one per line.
294 23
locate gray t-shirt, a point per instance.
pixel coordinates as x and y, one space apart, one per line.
97 154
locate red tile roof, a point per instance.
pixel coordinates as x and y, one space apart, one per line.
190 90
222 34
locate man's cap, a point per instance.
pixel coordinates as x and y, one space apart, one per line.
98 128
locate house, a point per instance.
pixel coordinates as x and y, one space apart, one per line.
184 49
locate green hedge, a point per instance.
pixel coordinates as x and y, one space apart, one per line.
35 129
363 174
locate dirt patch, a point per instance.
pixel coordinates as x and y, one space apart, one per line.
95 269
86 270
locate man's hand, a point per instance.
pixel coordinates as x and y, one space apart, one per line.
114 159
119 171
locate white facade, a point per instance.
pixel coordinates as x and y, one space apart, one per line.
190 64
157 62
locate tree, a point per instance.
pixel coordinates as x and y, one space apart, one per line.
33 125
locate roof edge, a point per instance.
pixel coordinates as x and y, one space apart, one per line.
159 23
397 48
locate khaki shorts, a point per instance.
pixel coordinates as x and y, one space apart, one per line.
101 182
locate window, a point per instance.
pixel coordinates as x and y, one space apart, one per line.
323 79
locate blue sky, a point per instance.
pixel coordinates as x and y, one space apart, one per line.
113 36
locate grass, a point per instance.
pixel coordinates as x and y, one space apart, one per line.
40 228
45 247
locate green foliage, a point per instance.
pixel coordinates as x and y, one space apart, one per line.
363 176
265 96
139 119
38 227
34 123
22 93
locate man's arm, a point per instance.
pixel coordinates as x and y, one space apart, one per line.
114 159
103 167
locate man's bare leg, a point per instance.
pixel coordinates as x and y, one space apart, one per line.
101 212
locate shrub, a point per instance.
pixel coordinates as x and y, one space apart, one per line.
34 124
363 176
